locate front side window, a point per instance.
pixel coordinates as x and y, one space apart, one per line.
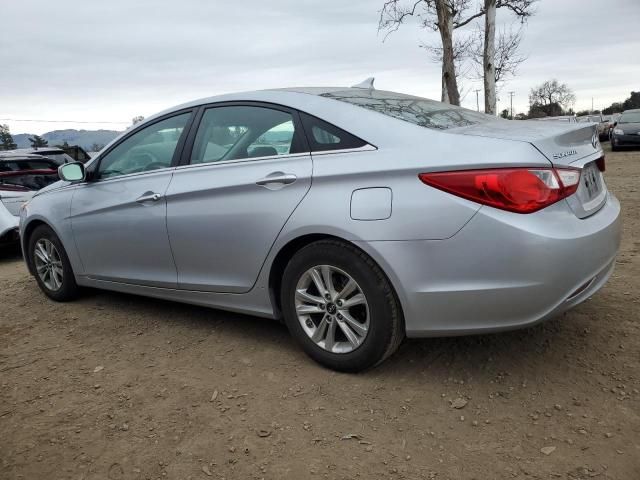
419 111
149 149
244 132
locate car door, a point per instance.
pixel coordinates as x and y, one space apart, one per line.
248 169
118 217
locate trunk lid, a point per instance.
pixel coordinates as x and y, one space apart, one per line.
572 145
562 144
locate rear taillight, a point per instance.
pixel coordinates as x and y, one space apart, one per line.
600 164
520 190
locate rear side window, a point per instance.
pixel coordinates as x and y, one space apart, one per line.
419 111
245 132
323 136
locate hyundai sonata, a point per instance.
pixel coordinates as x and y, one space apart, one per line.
358 216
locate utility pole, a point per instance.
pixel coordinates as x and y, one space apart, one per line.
591 104
477 100
511 94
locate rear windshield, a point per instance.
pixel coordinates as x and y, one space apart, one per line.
416 110
58 157
631 117
21 175
25 181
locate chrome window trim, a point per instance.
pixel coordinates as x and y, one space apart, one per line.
365 148
245 160
125 176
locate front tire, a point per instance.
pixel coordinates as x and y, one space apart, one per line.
340 307
50 265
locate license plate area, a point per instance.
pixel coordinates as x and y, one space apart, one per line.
591 194
591 180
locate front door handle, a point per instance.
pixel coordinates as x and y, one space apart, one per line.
149 197
277 178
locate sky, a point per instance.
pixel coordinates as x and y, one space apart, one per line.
89 64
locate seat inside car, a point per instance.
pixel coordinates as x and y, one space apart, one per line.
263 152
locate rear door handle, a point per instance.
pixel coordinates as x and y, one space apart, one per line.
149 197
277 178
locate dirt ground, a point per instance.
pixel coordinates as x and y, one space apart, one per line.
121 387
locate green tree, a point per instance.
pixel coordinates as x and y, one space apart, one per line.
63 145
615 107
6 140
504 113
632 102
37 141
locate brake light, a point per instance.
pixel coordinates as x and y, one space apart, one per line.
520 190
600 164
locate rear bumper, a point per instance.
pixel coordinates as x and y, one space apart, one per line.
502 271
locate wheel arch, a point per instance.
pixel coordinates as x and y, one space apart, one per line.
287 252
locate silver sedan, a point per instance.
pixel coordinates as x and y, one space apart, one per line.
358 216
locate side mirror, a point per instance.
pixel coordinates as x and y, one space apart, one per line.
615 124
72 172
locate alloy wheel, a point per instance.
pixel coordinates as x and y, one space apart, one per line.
48 264
332 309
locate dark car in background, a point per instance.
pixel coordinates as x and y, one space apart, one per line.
599 120
60 155
626 130
611 119
21 175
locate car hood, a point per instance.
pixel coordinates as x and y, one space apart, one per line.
561 144
629 127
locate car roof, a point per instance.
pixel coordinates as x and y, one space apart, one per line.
286 96
39 149
12 156
369 124
633 110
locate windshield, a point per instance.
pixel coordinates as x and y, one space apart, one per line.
631 117
416 110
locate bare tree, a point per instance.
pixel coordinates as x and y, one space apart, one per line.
137 119
506 60
488 57
551 97
463 49
443 16
446 16
506 50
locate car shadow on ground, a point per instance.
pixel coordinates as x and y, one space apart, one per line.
10 253
466 356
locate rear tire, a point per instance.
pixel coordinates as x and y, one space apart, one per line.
353 324
50 265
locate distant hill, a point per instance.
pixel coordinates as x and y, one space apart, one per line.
84 138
